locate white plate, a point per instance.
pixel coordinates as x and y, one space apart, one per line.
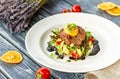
102 29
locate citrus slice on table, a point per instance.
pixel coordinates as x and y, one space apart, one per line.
12 57
106 5
114 11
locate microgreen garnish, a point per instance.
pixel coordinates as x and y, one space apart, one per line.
71 26
51 55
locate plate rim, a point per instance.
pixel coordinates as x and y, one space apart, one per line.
52 67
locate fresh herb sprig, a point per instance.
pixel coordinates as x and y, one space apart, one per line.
71 26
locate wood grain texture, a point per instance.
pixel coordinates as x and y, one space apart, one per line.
18 40
26 69
2 76
91 7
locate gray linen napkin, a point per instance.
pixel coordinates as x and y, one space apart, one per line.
111 72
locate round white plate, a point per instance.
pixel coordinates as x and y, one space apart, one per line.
105 31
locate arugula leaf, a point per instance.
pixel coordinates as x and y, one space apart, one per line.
88 34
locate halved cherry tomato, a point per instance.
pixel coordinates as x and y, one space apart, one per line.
74 55
58 41
91 39
66 11
43 73
76 8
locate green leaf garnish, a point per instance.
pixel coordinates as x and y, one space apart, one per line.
88 34
68 60
71 26
51 55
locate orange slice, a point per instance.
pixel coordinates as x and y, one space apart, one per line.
71 29
12 57
114 11
106 5
73 32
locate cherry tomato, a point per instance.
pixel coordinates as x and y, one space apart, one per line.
91 39
66 11
76 8
58 42
43 73
74 55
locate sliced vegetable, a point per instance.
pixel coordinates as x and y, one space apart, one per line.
66 50
79 52
88 51
75 55
60 48
91 39
72 51
58 41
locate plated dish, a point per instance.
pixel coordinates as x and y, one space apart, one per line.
73 42
105 31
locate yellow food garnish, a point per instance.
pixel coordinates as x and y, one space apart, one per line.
12 57
114 11
59 39
106 5
71 29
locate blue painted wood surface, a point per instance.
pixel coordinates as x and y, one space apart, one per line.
27 69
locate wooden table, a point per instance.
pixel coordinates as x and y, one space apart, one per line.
28 67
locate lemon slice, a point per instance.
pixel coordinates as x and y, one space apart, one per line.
106 5
12 57
114 11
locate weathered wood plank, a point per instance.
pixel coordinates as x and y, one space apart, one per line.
55 6
27 61
25 70
91 7
2 76
18 41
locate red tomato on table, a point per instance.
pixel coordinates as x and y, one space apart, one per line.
43 73
66 11
76 8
